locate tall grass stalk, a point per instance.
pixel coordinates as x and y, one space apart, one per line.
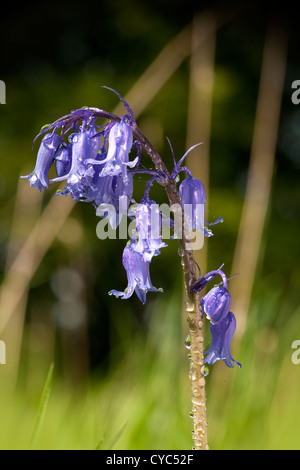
42 406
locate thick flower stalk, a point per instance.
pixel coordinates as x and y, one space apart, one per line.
98 164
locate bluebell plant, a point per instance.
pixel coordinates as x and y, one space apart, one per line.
216 306
98 163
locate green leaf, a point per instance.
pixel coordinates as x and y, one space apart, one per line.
113 440
42 406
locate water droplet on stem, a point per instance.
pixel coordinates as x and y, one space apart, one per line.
189 306
187 342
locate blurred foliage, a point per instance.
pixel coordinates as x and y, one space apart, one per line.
120 369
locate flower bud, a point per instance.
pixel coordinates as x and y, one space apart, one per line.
193 197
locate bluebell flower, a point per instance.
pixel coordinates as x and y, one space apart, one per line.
113 198
138 275
216 306
45 157
148 229
80 182
119 145
82 163
192 194
62 160
222 333
193 197
216 303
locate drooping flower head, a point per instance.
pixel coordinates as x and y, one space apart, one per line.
216 306
45 157
94 161
120 144
80 176
216 303
79 157
138 275
193 197
222 333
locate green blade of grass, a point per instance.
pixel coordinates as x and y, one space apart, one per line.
113 440
42 405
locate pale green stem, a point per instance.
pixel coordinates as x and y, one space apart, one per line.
197 377
192 307
196 374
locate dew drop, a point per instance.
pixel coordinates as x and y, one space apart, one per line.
180 251
193 374
187 342
189 306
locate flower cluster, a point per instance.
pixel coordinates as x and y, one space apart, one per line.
98 164
216 306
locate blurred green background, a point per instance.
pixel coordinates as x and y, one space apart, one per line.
120 376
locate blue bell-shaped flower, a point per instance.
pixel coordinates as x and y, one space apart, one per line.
222 333
45 157
193 197
138 275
